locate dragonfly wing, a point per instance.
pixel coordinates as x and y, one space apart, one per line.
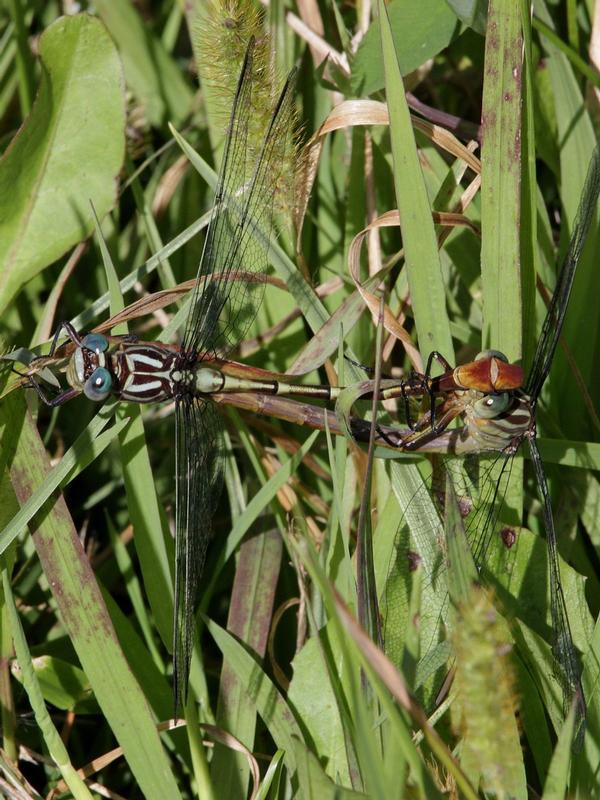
235 254
568 668
557 309
199 473
479 483
480 486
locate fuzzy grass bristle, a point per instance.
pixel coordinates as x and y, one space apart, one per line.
220 35
483 712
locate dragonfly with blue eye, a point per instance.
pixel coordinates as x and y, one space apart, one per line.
148 372
224 302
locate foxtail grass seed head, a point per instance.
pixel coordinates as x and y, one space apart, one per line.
483 712
220 36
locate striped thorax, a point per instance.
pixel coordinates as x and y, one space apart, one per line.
497 421
143 373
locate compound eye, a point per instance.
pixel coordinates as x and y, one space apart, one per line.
491 354
97 387
492 405
95 342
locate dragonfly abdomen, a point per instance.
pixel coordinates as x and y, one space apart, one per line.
203 380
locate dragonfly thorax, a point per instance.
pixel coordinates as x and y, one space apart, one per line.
144 372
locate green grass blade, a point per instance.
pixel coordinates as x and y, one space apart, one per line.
271 706
54 743
418 232
86 618
256 506
250 616
87 447
501 181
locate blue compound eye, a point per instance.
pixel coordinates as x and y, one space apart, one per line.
95 342
98 385
492 405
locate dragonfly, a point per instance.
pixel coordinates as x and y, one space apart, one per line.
224 302
197 374
497 407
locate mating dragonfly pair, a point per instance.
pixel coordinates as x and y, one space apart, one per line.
496 406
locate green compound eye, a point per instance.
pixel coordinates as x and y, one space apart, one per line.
492 405
95 342
491 354
98 385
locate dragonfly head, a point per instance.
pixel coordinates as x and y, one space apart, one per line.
491 406
88 370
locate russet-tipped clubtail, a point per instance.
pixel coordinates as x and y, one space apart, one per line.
498 411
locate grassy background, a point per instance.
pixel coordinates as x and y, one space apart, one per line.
281 668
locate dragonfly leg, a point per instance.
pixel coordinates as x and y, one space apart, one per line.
416 385
61 398
418 441
72 334
426 431
421 384
446 367
435 354
368 370
393 439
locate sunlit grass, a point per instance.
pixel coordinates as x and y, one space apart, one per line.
280 665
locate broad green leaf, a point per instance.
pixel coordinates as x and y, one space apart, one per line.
420 31
312 780
519 572
471 12
150 71
62 684
319 710
569 453
69 151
